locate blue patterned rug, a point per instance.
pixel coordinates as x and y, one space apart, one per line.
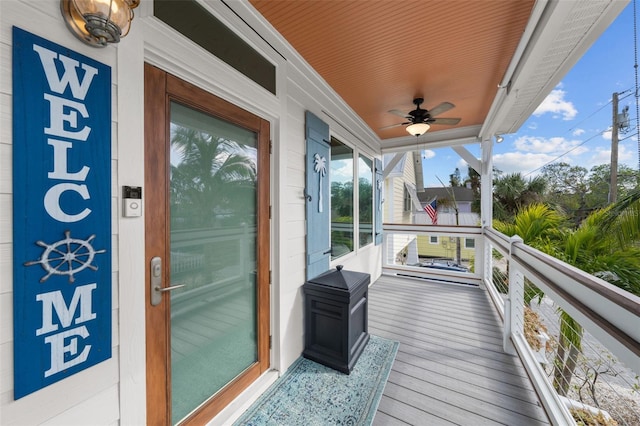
312 394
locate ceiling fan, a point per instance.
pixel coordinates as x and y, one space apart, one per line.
420 120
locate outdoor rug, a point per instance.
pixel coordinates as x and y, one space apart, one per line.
312 394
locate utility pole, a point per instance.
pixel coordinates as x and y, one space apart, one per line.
613 187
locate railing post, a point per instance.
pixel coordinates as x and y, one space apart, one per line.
385 247
480 262
514 305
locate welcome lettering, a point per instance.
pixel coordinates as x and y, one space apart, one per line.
62 215
65 125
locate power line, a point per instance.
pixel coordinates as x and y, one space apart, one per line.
563 154
628 93
573 149
627 137
586 118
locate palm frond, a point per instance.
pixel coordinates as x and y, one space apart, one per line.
623 219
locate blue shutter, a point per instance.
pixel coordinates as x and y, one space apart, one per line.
318 196
378 201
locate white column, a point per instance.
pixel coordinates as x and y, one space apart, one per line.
486 183
486 204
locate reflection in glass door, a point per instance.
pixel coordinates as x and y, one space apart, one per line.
213 193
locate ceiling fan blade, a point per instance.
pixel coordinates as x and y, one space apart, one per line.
439 109
445 121
398 113
393 125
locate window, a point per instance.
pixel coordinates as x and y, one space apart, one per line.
433 239
341 175
365 200
469 243
407 205
193 21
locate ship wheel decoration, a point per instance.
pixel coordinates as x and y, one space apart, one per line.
66 257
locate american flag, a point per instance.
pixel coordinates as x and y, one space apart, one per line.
432 210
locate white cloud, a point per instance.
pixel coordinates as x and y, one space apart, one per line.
628 155
578 132
555 145
519 162
428 153
602 155
462 166
342 173
556 104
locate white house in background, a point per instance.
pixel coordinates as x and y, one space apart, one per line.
404 202
402 180
463 197
439 247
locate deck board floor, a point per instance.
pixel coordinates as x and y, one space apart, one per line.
450 368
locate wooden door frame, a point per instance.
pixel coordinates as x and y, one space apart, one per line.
160 89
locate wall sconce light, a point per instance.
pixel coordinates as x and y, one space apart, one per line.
417 129
98 22
499 138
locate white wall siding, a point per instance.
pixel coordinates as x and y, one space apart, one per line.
131 266
101 406
65 398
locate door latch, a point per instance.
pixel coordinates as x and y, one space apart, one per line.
156 282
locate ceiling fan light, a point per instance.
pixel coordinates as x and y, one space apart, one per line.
417 129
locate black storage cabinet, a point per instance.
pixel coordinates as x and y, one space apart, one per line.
336 318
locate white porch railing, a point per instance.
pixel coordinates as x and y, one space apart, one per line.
609 346
608 359
430 252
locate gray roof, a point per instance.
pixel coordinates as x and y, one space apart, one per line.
461 194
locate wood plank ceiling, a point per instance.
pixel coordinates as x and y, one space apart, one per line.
379 55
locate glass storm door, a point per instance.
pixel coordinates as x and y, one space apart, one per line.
207 316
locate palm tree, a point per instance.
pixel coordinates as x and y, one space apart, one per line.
536 224
594 250
539 226
209 173
512 192
451 203
623 219
591 247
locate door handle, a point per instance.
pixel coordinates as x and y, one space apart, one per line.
173 287
156 282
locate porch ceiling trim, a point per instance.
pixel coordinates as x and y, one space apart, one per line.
556 37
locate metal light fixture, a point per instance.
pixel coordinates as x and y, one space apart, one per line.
417 129
98 22
499 138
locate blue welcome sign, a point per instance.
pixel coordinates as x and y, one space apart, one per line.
61 212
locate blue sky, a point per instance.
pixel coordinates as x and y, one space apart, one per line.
574 120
